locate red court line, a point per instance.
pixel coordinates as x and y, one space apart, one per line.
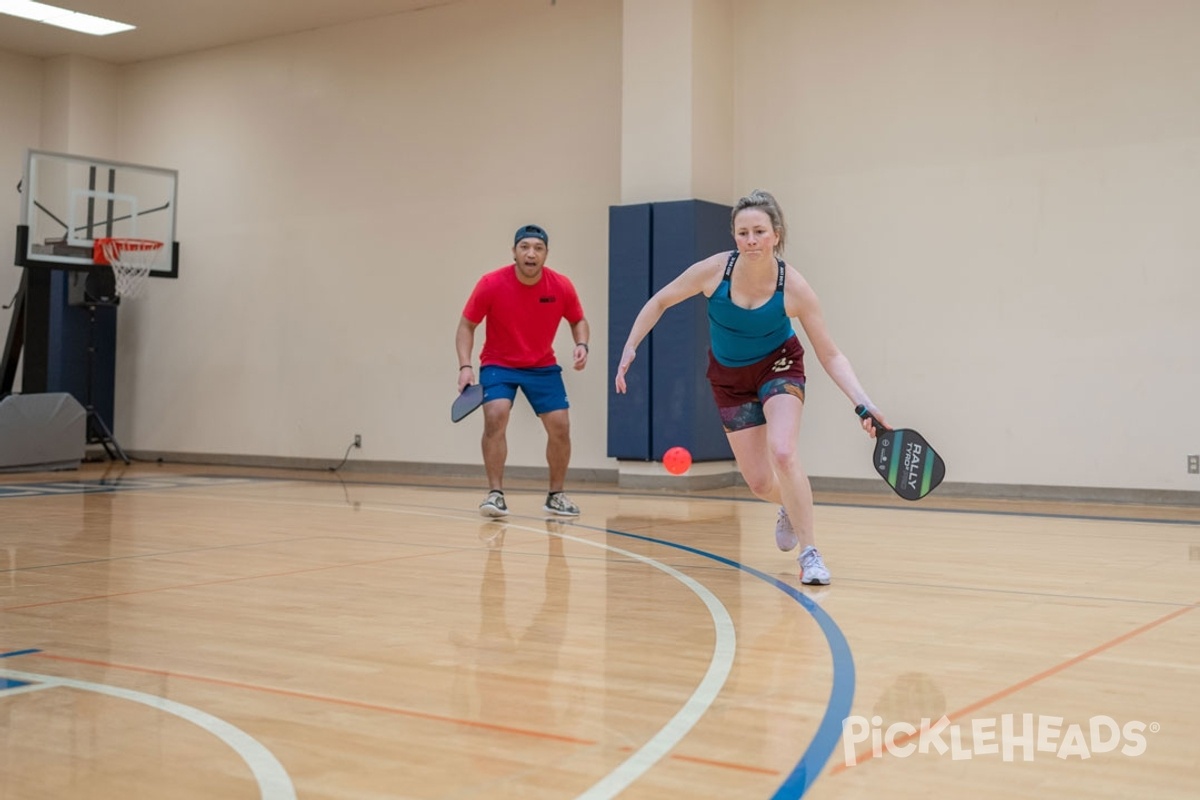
710 762
323 699
1016 687
508 729
221 581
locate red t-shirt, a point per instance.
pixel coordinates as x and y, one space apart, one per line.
522 320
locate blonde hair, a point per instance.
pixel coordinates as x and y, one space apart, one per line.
765 202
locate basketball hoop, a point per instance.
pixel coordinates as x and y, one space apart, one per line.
130 260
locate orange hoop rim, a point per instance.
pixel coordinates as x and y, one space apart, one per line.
121 244
131 244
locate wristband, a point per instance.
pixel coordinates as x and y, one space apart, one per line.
465 366
584 346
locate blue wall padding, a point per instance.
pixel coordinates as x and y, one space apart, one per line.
57 337
69 365
669 401
628 290
683 411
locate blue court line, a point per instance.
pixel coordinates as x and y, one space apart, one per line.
13 683
20 653
828 733
950 587
841 693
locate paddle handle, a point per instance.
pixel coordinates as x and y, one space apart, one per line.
863 413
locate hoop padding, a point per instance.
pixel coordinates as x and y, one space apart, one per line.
130 259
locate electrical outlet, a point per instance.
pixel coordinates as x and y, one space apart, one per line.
1194 465
358 440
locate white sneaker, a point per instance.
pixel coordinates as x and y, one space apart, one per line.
494 505
785 535
559 503
812 568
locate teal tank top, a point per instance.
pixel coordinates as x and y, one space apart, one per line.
742 336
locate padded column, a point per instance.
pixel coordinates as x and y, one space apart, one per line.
629 281
669 402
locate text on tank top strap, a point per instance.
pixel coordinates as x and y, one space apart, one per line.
729 266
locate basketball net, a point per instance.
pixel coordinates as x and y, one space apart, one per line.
131 260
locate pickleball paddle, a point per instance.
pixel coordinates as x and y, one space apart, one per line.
904 460
467 401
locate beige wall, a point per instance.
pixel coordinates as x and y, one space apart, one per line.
79 107
21 102
996 202
676 101
340 193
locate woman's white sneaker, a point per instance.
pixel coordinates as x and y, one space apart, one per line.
812 568
785 534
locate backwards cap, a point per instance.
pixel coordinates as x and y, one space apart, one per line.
531 232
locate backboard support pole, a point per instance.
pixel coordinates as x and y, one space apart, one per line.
16 338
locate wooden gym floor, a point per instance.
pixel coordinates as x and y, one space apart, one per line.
202 632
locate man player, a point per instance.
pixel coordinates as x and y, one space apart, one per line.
523 304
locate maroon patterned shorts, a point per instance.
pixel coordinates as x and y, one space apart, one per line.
741 391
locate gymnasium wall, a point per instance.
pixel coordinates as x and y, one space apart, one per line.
340 193
997 203
994 200
20 102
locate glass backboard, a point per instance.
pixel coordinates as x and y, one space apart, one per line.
71 201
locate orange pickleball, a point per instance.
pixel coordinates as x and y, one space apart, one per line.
677 460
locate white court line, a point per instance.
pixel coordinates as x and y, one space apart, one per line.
273 780
661 743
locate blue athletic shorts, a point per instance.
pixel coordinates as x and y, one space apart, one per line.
543 386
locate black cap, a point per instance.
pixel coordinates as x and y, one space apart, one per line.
531 232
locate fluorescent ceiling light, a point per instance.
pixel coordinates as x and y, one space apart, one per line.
63 18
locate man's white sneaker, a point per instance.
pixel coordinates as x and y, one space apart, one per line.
494 505
559 503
